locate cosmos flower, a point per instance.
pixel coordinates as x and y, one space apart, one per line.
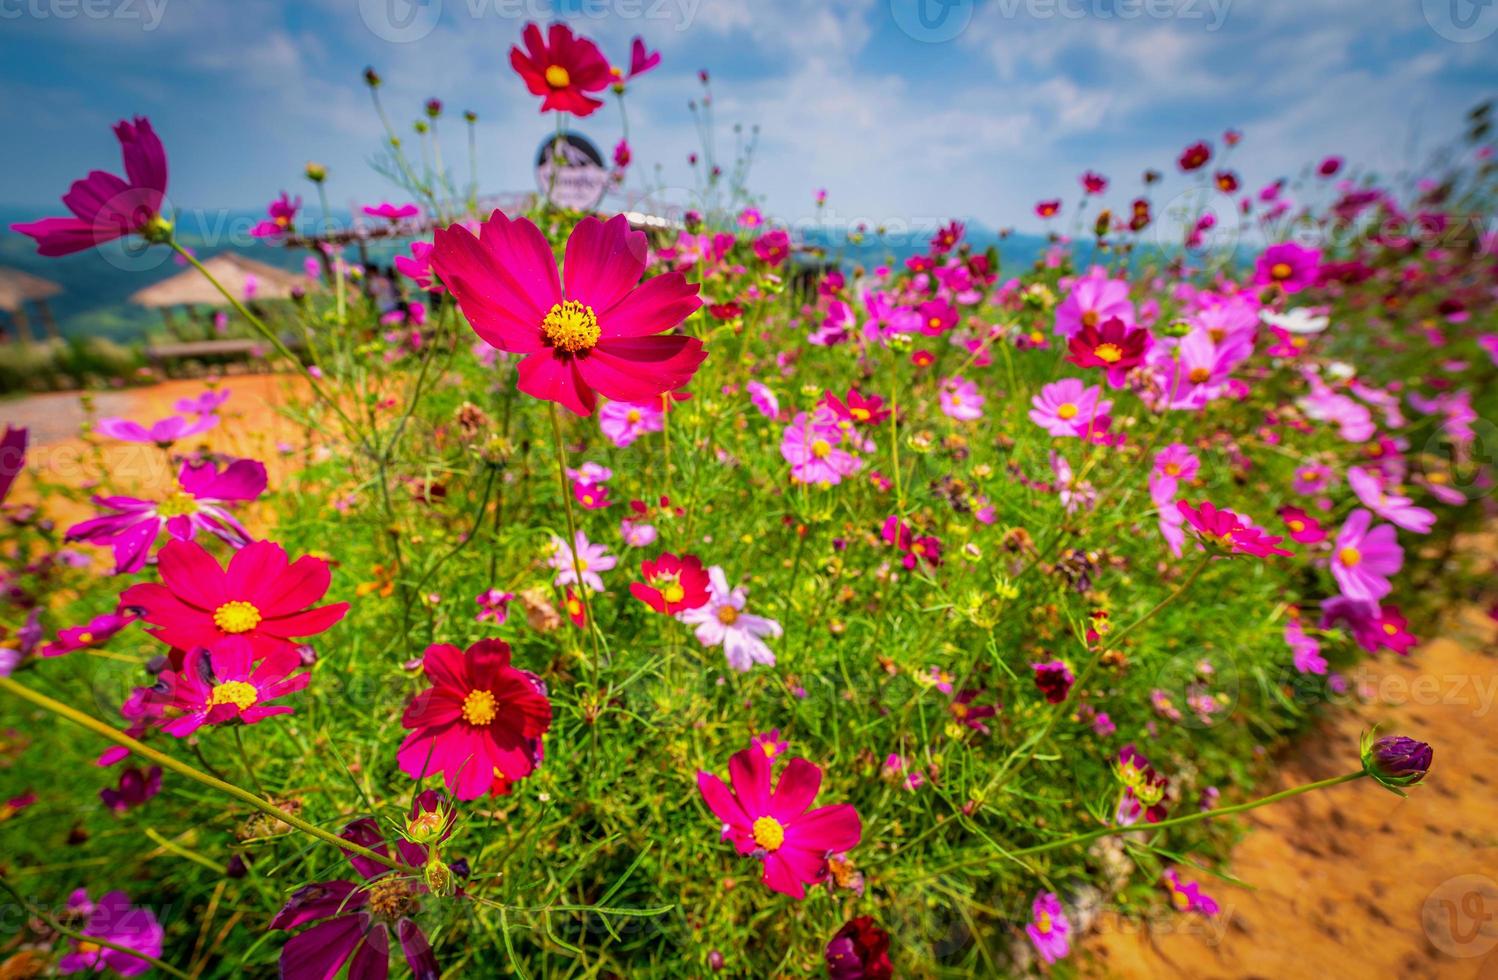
813 447
598 335
1187 896
281 217
1392 507
1049 928
960 399
641 59
777 826
623 423
480 724
1229 533
115 920
914 548
354 922
773 247
1049 208
1364 557
1300 320
135 788
1053 679
859 951
417 267
1195 156
1287 265
1064 405
1305 650
672 584
199 503
95 633
227 684
1303 528
1115 347
392 212
1094 183
12 457
1094 299
104 206
261 596
562 69
722 621
162 433
591 559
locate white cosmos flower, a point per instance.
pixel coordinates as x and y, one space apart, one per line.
1300 320
721 621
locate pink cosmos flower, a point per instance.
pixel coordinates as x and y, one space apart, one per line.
1365 557
623 423
225 684
1064 405
914 548
95 633
104 206
961 400
1049 929
813 447
1177 462
1374 627
1187 896
418 267
1392 507
1305 651
777 826
1303 528
1094 299
763 399
392 212
1228 532
163 433
494 606
598 334
198 503
281 217
1313 478
641 59
773 247
113 919
591 559
637 534
722 622
1290 266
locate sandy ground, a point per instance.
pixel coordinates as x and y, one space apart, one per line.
1351 882
1354 881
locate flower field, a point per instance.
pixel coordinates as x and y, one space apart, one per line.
675 595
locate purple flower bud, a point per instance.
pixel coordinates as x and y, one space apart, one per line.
715 961
1396 760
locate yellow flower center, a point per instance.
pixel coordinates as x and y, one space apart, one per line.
1172 469
1043 923
1349 557
1280 271
86 637
1199 375
558 77
1297 526
478 707
768 833
860 414
935 322
728 615
1179 899
241 694
571 327
1110 353
1390 629
821 448
1067 411
1090 318
236 616
769 749
634 415
178 504
672 592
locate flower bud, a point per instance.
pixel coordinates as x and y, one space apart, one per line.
1396 760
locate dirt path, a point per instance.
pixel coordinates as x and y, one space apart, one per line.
1355 882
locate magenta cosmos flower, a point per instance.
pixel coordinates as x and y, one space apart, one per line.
104 206
1393 507
1365 557
813 446
226 683
12 457
1093 300
261 596
777 826
1289 266
599 334
115 920
354 920
480 723
198 504
1049 929
162 433
1227 532
1063 407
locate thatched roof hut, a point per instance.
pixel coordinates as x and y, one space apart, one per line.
18 288
236 272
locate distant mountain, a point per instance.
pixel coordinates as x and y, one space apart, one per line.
872 248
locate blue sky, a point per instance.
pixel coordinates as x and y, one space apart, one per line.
1002 103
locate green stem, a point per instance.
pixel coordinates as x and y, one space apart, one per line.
577 568
1191 818
63 930
183 769
244 757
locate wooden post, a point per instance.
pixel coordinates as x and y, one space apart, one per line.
23 327
48 323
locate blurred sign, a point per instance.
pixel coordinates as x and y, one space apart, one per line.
570 172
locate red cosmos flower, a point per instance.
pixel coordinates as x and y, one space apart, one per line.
859 951
260 597
1195 156
857 408
1302 526
672 584
562 68
223 684
1225 531
1094 183
596 336
1227 181
1048 209
914 548
480 724
778 826
1115 347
